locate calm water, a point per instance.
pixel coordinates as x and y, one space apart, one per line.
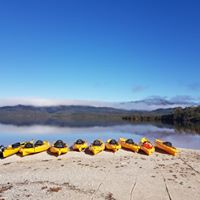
11 134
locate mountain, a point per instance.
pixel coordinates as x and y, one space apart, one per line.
69 115
63 109
182 117
153 103
86 116
61 115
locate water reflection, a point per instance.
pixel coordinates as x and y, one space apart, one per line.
11 133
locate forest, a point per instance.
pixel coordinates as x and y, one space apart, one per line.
182 118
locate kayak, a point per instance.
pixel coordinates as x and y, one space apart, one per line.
146 146
97 146
31 148
58 148
112 145
11 149
129 144
79 145
166 146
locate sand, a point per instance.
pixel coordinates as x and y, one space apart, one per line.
121 176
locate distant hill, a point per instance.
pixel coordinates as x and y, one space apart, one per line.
181 118
61 115
92 116
170 115
153 103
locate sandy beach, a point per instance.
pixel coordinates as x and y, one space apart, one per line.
120 176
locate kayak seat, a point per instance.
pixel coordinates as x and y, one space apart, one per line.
169 144
59 145
28 145
97 143
79 141
38 143
130 141
2 148
113 142
59 141
15 145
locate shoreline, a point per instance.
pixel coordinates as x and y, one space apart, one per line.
107 175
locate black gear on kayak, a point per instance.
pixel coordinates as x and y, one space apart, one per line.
2 148
28 145
146 142
59 144
97 143
59 141
130 141
15 145
169 144
79 141
39 143
114 142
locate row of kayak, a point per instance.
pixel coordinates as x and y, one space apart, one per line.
59 147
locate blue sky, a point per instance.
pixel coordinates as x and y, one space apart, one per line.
106 50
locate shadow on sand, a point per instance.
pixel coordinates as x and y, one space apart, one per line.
88 152
142 152
161 151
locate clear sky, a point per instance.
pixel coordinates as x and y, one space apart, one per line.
106 50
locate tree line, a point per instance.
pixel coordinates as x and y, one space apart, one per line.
180 117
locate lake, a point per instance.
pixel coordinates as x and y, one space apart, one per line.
10 134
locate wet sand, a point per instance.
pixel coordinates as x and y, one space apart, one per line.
121 176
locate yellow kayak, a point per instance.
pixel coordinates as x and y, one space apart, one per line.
146 146
31 148
129 144
11 149
112 145
97 146
80 145
166 146
58 148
